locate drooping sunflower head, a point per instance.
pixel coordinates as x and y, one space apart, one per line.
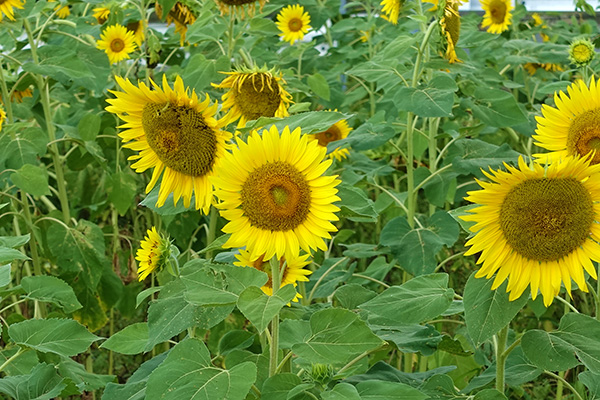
497 17
572 127
137 28
538 226
391 10
62 12
254 93
175 133
581 52
337 131
19 95
273 192
241 7
450 25
531 68
7 7
2 117
294 270
117 42
181 15
153 254
293 22
101 14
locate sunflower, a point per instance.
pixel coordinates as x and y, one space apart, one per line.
7 8
497 15
581 52
294 270
101 14
62 12
173 132
573 126
19 95
117 42
242 6
153 253
337 131
137 28
254 93
533 67
293 23
391 10
274 195
181 15
538 226
2 118
450 25
538 21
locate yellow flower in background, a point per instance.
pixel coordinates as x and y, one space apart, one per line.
174 133
7 7
254 93
275 196
572 127
181 15
538 226
241 7
450 25
365 36
293 23
337 131
497 15
101 14
581 52
538 21
391 10
153 253
533 67
2 118
294 270
19 95
137 28
62 12
117 42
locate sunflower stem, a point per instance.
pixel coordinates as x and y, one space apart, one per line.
274 348
212 230
230 43
564 382
5 96
501 356
13 357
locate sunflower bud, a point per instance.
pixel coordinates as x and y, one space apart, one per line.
581 52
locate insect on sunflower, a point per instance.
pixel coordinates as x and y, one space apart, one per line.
117 42
497 17
538 226
176 134
293 22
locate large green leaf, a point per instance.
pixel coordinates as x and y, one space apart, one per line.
32 179
381 390
130 340
43 383
497 108
469 156
187 373
60 336
84 380
342 391
487 311
435 100
260 308
279 386
7 255
51 289
337 336
135 388
309 122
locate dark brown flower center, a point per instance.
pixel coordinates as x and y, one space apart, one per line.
295 24
258 96
584 134
117 45
330 135
498 11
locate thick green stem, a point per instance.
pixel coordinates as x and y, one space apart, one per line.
37 266
564 382
212 230
230 41
274 348
5 96
501 356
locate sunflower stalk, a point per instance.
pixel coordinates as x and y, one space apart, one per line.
274 348
5 95
501 356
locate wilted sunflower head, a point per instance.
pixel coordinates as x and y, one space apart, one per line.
117 42
241 7
19 95
7 8
572 127
497 17
153 254
335 132
254 93
293 270
181 15
538 226
450 25
101 14
582 52
293 22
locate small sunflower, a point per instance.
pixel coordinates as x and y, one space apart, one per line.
538 21
137 28
117 42
497 15
153 254
365 36
573 126
538 226
533 67
62 12
2 118
7 8
293 22
294 270
254 93
19 95
450 24
181 15
274 194
174 133
243 7
391 10
581 52
101 14
337 131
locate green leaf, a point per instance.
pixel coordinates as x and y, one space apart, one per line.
43 383
60 336
130 340
412 338
5 277
260 308
135 388
352 295
497 108
187 373
22 364
7 255
469 156
309 122
32 179
25 148
318 84
236 339
337 336
51 289
122 189
89 126
144 294
278 386
60 63
487 311
436 100
418 300
14 241
382 390
355 205
341 391
83 379
592 382
292 331
205 288
489 394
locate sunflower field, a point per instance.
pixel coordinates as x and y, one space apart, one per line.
322 199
